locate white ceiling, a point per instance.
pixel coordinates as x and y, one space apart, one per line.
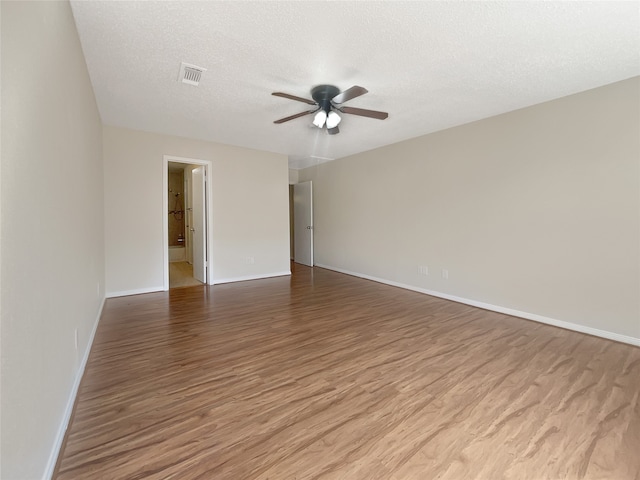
431 65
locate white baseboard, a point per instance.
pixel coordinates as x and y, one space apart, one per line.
137 291
218 281
66 418
496 308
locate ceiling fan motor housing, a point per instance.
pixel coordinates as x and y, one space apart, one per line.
323 94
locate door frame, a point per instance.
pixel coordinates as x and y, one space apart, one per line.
297 227
165 219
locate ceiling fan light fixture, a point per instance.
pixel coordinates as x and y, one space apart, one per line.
333 119
328 100
320 118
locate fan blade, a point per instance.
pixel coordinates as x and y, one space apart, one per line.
364 113
297 115
293 97
333 131
348 94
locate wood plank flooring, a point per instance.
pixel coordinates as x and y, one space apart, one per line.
326 376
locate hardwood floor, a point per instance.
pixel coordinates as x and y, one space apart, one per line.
326 376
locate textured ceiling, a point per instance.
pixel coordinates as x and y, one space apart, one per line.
431 65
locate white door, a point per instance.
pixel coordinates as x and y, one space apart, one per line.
198 224
188 215
303 223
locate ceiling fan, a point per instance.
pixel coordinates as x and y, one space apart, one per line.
327 101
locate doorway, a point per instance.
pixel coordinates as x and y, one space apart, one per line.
186 227
301 210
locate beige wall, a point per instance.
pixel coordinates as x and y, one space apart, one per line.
52 230
536 210
250 209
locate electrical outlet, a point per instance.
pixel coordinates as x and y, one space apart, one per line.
445 273
423 270
75 338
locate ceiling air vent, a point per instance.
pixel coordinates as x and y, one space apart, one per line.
190 74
